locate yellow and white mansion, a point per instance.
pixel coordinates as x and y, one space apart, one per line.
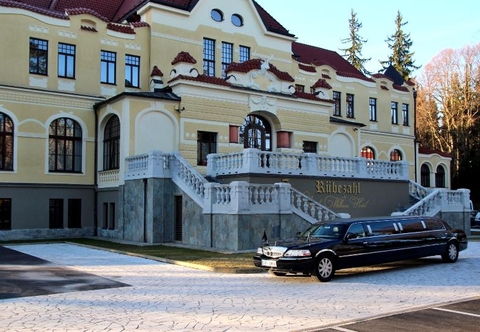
202 122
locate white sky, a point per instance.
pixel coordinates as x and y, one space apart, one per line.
433 25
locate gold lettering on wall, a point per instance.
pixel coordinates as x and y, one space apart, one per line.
332 187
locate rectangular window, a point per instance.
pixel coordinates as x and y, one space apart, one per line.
206 144
337 111
56 213
299 88
244 53
394 112
132 71
227 56
309 147
5 214
350 110
38 56
74 213
66 60
108 67
373 109
405 114
208 57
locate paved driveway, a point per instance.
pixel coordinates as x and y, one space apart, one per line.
164 297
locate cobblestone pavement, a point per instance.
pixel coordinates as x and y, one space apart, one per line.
165 297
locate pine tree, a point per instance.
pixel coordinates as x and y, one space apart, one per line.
353 53
400 43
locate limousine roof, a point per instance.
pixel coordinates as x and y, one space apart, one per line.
374 219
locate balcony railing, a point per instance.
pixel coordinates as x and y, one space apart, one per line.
254 161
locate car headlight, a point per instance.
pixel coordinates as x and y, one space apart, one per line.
260 250
298 253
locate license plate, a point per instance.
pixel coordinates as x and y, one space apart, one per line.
269 263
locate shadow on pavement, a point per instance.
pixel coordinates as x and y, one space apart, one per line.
24 275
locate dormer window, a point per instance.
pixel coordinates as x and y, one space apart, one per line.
237 20
216 15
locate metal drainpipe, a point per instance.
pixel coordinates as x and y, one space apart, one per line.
145 183
415 131
95 181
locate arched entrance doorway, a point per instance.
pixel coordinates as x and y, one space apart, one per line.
256 133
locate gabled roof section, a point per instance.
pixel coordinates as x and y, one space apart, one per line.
270 23
317 56
187 5
394 75
256 64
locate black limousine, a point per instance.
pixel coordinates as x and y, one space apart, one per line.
326 247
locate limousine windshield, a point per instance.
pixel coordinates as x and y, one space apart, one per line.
329 231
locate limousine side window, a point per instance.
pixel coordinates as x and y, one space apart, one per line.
412 226
357 230
381 228
433 224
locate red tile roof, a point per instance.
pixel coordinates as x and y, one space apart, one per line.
270 23
310 69
156 72
424 150
256 64
321 83
121 28
317 56
119 10
311 96
184 57
202 79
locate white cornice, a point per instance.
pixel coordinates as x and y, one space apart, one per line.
43 18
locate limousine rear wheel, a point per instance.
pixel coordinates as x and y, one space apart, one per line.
324 268
451 255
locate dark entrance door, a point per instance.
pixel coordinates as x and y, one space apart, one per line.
257 133
178 218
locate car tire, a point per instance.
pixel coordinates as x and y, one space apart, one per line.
324 268
451 254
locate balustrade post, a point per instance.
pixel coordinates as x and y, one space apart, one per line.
239 197
208 200
284 197
309 164
362 167
212 165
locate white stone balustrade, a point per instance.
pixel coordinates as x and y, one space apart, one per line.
240 197
149 165
440 200
110 178
262 162
309 209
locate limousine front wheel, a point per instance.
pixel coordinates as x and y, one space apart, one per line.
451 255
324 268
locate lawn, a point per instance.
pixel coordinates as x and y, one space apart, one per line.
205 258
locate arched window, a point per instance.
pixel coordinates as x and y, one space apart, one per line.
111 144
440 177
65 146
256 133
368 153
425 175
6 143
395 155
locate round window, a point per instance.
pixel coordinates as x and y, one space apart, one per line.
216 15
237 20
